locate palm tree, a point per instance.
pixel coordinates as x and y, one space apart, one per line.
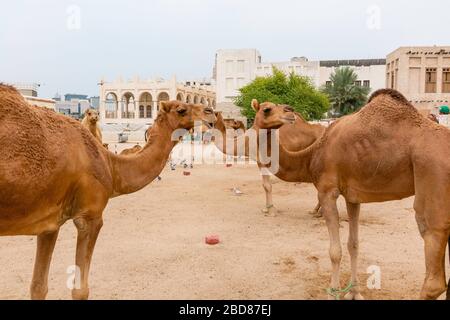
343 92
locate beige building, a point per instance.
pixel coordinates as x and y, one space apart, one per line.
422 74
30 92
136 102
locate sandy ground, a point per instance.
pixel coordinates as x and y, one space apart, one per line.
152 244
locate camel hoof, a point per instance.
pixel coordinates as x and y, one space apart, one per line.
316 214
353 296
270 212
80 294
38 292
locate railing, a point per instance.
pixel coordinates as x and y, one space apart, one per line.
127 115
110 114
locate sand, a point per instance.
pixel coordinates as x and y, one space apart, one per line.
152 244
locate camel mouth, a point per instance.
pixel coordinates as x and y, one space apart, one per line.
288 119
209 125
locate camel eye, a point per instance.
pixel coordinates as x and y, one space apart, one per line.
181 111
266 111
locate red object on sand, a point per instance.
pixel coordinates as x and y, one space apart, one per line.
212 240
229 165
186 173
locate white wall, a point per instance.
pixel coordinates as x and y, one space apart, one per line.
375 74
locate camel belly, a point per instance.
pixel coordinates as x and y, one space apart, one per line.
34 223
367 191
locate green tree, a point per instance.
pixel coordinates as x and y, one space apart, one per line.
294 90
345 95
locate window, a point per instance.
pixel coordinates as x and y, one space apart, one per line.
366 83
240 82
229 66
446 80
393 80
241 66
229 84
328 84
141 111
430 80
149 112
358 83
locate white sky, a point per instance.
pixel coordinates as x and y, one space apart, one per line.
166 37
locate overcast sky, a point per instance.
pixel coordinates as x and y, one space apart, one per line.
47 41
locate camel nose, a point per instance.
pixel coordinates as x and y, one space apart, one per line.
288 109
208 110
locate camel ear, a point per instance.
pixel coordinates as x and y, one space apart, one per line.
255 105
164 106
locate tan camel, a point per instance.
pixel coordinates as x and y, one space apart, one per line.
90 122
53 170
132 150
296 136
234 124
386 151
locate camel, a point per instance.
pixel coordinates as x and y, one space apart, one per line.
53 170
296 136
132 150
90 122
234 124
386 151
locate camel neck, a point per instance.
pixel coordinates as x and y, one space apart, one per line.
133 172
291 166
229 144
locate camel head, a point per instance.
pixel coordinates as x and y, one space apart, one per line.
272 116
185 116
92 116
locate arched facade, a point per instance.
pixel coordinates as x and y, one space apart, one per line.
137 101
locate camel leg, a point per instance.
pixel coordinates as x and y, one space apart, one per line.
269 210
45 245
87 236
435 282
353 248
331 214
316 211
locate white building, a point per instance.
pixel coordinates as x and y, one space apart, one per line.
137 101
237 67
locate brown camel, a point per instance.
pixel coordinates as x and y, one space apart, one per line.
90 122
132 150
234 124
386 151
296 136
53 170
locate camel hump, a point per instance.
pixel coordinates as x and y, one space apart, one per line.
6 88
392 93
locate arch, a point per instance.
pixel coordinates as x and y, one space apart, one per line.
163 96
111 105
195 99
180 97
213 103
128 105
203 101
146 102
188 98
208 102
